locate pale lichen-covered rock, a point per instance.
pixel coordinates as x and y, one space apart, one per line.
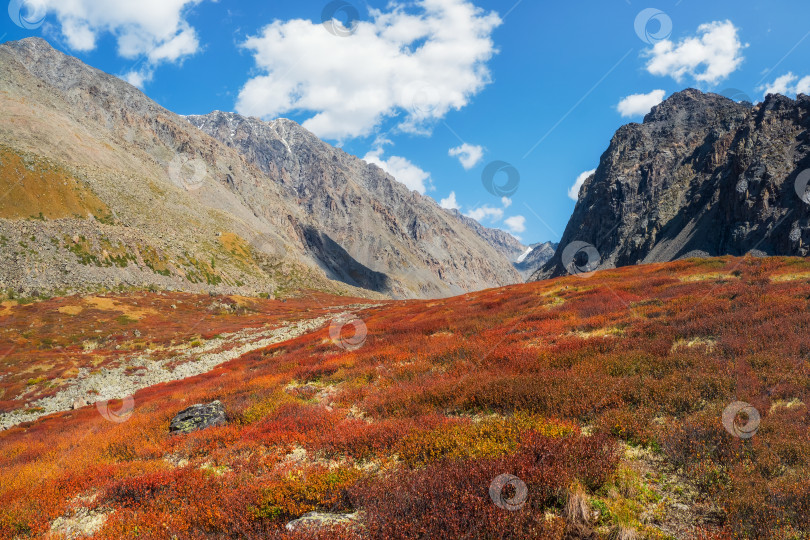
80 524
316 521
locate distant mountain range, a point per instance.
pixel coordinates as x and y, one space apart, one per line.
105 188
534 257
702 176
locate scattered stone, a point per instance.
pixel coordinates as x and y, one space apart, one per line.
79 403
81 524
198 417
306 391
191 362
316 521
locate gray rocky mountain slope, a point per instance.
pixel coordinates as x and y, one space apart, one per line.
358 212
702 176
103 188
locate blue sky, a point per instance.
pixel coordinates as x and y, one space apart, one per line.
533 84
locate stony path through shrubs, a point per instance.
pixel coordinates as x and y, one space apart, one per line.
121 381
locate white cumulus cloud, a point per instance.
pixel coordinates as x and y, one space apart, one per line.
450 203
155 30
573 191
468 155
515 224
640 104
402 170
485 212
788 84
710 56
417 64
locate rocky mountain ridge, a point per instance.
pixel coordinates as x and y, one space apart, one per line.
701 176
139 196
360 213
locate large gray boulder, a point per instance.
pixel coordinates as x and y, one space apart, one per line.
197 417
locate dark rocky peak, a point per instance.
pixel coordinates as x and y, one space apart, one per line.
702 175
692 110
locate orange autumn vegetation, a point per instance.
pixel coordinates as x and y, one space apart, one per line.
444 396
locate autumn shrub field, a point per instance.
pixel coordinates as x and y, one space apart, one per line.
605 400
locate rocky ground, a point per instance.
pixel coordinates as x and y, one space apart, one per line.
140 371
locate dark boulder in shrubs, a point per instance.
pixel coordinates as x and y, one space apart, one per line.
197 417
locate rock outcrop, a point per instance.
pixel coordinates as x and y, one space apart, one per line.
198 417
315 522
702 176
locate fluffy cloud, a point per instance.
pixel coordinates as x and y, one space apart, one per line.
515 224
640 104
710 56
153 29
468 155
450 203
788 84
491 214
401 169
485 212
573 191
417 64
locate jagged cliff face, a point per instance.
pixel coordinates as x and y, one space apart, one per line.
702 176
362 217
104 188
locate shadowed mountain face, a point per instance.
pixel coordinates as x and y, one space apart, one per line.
702 176
339 265
139 196
377 221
